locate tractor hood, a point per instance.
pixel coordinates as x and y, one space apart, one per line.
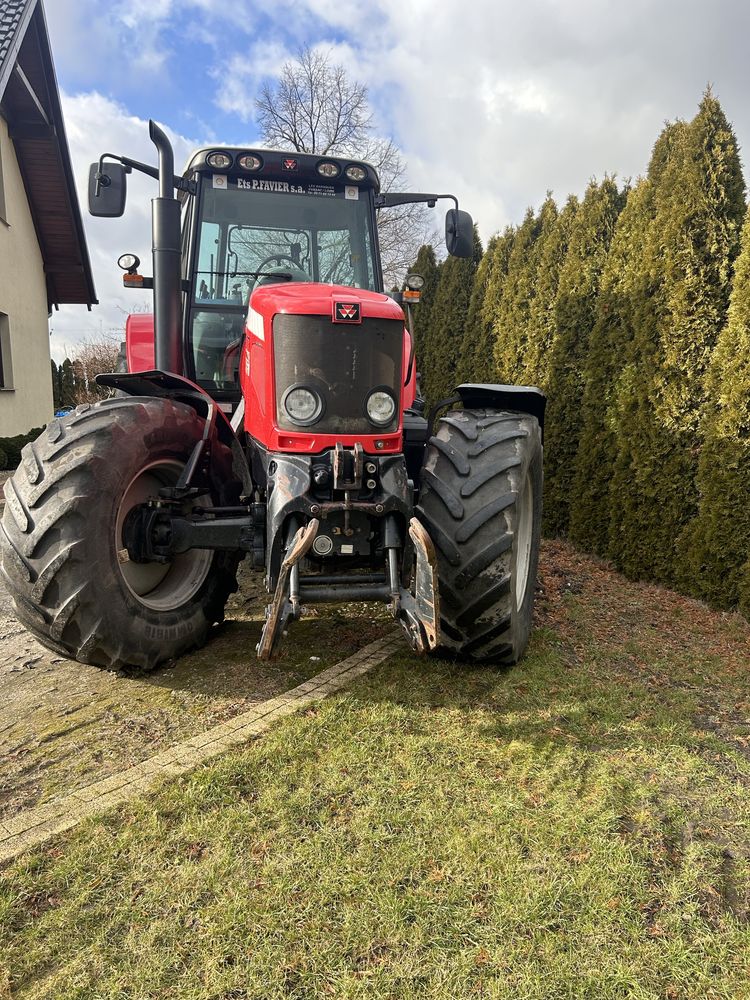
342 304
338 345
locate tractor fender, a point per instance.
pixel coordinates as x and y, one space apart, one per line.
524 398
182 390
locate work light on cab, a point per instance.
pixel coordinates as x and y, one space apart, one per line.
250 162
381 407
219 161
129 262
413 290
304 406
329 170
355 173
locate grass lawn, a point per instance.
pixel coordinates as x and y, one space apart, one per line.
575 827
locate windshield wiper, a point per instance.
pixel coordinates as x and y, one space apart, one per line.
249 274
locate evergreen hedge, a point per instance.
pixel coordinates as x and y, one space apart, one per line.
621 288
619 309
551 250
575 312
690 247
716 544
474 363
448 316
482 334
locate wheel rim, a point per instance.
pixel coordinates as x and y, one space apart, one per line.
160 586
524 534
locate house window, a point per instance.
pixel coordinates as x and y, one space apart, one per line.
6 368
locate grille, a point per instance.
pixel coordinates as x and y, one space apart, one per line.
342 363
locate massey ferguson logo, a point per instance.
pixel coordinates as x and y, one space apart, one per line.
289 164
346 312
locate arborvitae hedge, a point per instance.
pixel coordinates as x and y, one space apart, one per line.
621 289
447 321
624 544
690 248
550 251
511 320
426 264
716 545
575 312
484 365
470 367
521 337
647 445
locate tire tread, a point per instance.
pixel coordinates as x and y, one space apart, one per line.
43 558
475 467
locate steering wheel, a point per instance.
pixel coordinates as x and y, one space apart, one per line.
278 257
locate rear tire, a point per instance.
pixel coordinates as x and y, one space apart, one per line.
61 534
481 501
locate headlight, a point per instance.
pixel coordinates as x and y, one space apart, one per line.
381 407
303 405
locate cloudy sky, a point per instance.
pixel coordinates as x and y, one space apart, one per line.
495 100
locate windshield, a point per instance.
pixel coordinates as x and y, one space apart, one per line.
252 232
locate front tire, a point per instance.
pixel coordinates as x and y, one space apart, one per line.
481 501
62 556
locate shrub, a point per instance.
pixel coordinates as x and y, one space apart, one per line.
11 447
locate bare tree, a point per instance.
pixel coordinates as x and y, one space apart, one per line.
92 357
314 107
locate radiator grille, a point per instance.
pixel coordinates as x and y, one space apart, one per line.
342 363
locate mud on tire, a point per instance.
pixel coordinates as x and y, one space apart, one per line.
59 538
481 501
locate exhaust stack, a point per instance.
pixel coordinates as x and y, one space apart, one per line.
165 229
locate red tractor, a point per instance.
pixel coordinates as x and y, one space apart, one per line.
270 412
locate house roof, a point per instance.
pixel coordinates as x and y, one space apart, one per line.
30 104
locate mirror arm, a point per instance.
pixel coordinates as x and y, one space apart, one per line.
179 182
388 200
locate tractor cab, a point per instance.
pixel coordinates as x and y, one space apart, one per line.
263 217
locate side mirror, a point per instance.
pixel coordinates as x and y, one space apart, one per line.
459 233
109 203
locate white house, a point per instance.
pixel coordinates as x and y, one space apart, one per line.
44 260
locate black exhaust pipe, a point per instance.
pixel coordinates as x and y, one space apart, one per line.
165 235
